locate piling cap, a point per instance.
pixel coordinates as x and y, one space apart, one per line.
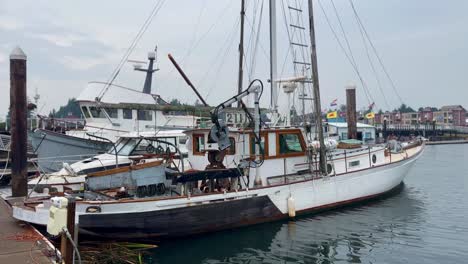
350 85
17 54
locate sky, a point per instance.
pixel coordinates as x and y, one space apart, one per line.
70 43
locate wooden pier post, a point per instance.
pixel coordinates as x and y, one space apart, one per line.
66 246
18 123
351 111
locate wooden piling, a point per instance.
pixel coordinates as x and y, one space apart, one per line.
18 123
67 247
351 111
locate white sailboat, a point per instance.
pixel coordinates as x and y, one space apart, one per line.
245 176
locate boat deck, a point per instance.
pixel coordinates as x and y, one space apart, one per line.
407 153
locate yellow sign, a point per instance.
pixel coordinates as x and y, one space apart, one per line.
370 115
333 114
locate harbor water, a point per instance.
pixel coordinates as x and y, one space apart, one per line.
425 222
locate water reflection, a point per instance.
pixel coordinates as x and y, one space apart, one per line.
346 235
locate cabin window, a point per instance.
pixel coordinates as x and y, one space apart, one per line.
96 113
182 140
354 163
127 113
232 149
112 112
289 143
344 136
85 112
263 145
145 115
199 144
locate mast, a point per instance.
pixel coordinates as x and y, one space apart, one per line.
241 51
315 82
273 69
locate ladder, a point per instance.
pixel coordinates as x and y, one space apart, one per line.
299 47
298 38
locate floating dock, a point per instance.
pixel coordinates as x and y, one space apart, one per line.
20 242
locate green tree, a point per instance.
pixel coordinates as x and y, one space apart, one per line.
72 108
175 102
405 109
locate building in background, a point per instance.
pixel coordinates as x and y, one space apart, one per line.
339 130
454 115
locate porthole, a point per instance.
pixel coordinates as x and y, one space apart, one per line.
374 158
93 209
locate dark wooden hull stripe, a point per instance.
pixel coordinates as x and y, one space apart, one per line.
198 219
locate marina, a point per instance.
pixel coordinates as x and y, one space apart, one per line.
124 174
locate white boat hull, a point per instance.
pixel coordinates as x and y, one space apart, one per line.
180 216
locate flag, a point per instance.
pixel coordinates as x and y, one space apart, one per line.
333 114
371 106
333 103
370 115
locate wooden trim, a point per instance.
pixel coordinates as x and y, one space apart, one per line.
293 154
233 148
195 144
108 172
126 169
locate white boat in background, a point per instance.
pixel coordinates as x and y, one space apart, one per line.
108 116
134 152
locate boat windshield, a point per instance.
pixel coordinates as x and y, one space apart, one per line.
125 146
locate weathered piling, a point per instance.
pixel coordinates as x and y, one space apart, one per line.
18 121
351 111
67 247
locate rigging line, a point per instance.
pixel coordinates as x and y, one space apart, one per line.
305 52
252 29
195 30
212 26
130 49
379 84
223 60
343 49
203 36
375 51
347 43
289 46
255 44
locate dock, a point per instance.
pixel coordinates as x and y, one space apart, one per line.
20 242
447 142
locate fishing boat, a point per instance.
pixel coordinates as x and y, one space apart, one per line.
108 114
242 176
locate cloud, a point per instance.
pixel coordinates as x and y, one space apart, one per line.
8 23
3 58
81 63
60 40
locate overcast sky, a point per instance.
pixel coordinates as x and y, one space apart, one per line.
69 43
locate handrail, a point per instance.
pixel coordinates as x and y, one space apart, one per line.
113 145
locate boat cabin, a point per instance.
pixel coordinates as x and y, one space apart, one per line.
285 157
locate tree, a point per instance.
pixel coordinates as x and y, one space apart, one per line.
175 101
405 109
72 108
342 108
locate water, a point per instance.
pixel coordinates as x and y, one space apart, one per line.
424 223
